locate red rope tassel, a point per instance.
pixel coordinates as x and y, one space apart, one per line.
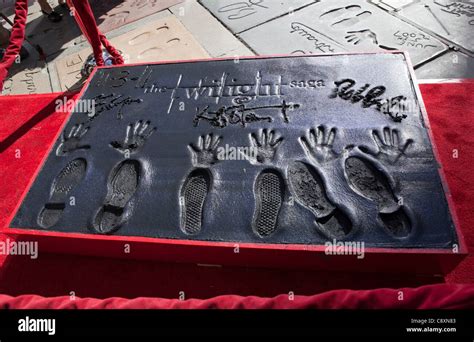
16 39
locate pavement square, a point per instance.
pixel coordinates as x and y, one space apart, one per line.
112 14
213 36
162 40
53 37
68 70
240 15
31 79
452 20
453 64
292 37
30 76
355 25
166 39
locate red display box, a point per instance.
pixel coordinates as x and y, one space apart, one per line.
291 256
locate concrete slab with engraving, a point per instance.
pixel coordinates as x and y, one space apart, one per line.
355 25
29 76
213 36
240 15
30 79
113 14
68 70
452 20
164 39
53 37
291 37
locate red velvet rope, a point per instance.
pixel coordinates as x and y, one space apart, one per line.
85 19
16 39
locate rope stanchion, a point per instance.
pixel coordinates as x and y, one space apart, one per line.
85 19
16 39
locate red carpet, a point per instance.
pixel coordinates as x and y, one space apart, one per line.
28 126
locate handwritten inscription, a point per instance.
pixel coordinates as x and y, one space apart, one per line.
107 102
371 97
120 78
240 115
417 40
459 9
29 80
311 35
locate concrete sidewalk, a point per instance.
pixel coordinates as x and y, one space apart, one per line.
438 34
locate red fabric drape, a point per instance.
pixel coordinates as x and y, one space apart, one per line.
443 296
85 19
16 39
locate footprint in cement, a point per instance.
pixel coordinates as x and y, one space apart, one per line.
269 194
371 183
308 190
121 186
193 196
64 183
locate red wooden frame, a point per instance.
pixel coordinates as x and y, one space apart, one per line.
294 256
